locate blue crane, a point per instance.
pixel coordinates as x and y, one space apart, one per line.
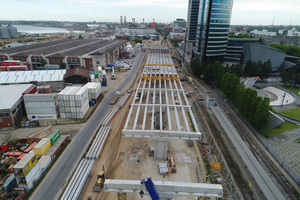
150 188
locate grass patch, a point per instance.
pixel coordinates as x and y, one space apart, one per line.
294 113
284 127
295 89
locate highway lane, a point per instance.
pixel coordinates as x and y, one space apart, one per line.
56 178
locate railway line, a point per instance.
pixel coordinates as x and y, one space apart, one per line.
249 138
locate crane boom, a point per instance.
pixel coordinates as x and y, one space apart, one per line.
150 188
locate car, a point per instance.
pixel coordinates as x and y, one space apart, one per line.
27 124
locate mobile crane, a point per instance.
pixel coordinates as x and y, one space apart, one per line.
150 188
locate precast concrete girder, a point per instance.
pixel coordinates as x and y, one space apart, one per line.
164 134
166 189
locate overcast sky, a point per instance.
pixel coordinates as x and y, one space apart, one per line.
245 12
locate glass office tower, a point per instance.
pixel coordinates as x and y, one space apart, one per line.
212 30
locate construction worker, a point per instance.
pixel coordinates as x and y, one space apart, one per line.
142 193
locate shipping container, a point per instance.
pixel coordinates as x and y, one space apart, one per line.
39 97
25 164
14 154
10 62
52 67
21 192
42 146
43 163
4 68
4 147
54 136
29 148
17 68
56 148
21 156
29 176
9 183
31 90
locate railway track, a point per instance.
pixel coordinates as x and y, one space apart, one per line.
250 140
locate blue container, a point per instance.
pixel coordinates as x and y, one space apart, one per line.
10 182
105 83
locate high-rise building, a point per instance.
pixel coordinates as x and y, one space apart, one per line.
191 25
212 30
192 19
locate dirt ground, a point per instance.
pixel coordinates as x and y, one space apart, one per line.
115 158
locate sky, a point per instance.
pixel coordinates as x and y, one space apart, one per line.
244 12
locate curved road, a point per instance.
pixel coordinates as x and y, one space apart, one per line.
57 176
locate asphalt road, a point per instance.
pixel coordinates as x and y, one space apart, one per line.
56 178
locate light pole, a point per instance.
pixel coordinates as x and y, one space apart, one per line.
283 99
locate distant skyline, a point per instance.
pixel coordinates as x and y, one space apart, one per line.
244 12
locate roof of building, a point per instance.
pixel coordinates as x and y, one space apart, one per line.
61 48
8 77
77 71
10 94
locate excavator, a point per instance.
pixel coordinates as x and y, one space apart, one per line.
100 180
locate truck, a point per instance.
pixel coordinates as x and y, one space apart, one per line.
113 76
115 98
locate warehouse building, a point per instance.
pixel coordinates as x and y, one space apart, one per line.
54 78
10 104
74 52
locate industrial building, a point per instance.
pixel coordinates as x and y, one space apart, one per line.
10 104
54 78
212 30
234 51
74 52
256 52
8 32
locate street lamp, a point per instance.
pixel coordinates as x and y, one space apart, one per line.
283 98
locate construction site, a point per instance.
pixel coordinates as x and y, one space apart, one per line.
150 133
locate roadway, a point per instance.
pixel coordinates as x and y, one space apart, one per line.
50 187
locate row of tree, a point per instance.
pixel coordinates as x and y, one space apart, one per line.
251 69
289 50
291 75
254 108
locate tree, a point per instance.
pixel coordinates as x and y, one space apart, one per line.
253 109
138 40
262 114
265 69
218 71
43 62
288 75
237 69
80 37
62 65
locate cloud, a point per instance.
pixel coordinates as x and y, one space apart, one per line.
131 3
267 5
